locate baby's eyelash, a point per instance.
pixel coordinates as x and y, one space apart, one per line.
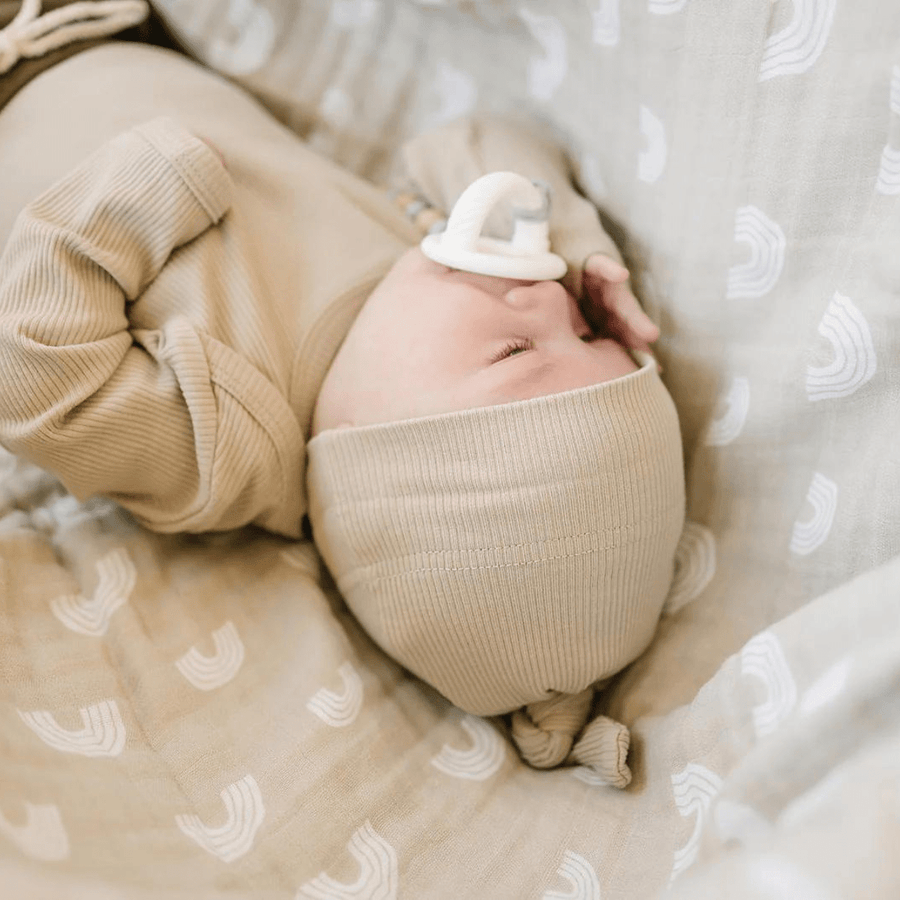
512 348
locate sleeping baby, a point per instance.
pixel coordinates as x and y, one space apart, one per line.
490 464
497 490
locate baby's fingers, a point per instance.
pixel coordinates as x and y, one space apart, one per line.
636 320
603 267
612 305
626 318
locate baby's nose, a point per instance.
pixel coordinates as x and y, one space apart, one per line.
546 296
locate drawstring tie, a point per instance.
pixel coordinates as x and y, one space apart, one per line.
553 732
31 34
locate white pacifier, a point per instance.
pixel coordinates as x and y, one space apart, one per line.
525 255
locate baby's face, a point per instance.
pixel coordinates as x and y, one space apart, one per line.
432 340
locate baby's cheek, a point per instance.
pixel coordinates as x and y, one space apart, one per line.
613 359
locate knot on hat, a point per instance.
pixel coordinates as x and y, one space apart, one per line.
603 747
544 731
512 556
545 734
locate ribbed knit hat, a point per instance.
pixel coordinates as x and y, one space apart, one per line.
510 553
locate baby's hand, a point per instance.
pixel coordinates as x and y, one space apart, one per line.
612 307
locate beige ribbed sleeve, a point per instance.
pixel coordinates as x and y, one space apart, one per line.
442 163
156 418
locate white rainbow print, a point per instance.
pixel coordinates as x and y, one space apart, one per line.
665 7
116 577
42 836
377 880
809 534
762 658
206 673
457 93
250 39
888 182
102 734
339 708
695 565
244 814
607 24
652 159
760 273
478 762
693 789
855 361
582 879
726 428
795 48
546 73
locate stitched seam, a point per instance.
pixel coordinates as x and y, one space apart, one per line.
360 574
618 529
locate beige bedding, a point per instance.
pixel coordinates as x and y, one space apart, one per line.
199 717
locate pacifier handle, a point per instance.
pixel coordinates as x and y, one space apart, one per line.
525 256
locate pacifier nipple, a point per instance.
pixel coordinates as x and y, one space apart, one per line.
526 255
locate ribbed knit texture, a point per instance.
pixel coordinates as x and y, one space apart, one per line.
545 731
603 747
161 353
144 400
509 553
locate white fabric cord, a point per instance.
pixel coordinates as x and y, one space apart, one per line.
31 34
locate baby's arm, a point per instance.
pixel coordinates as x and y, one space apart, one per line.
106 407
443 162
440 164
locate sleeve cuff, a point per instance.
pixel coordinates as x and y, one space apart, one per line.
195 161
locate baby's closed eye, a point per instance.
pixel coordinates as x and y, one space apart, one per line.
519 345
522 345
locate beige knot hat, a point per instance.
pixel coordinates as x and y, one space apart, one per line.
507 554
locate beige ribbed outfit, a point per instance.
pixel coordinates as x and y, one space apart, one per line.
163 370
156 352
